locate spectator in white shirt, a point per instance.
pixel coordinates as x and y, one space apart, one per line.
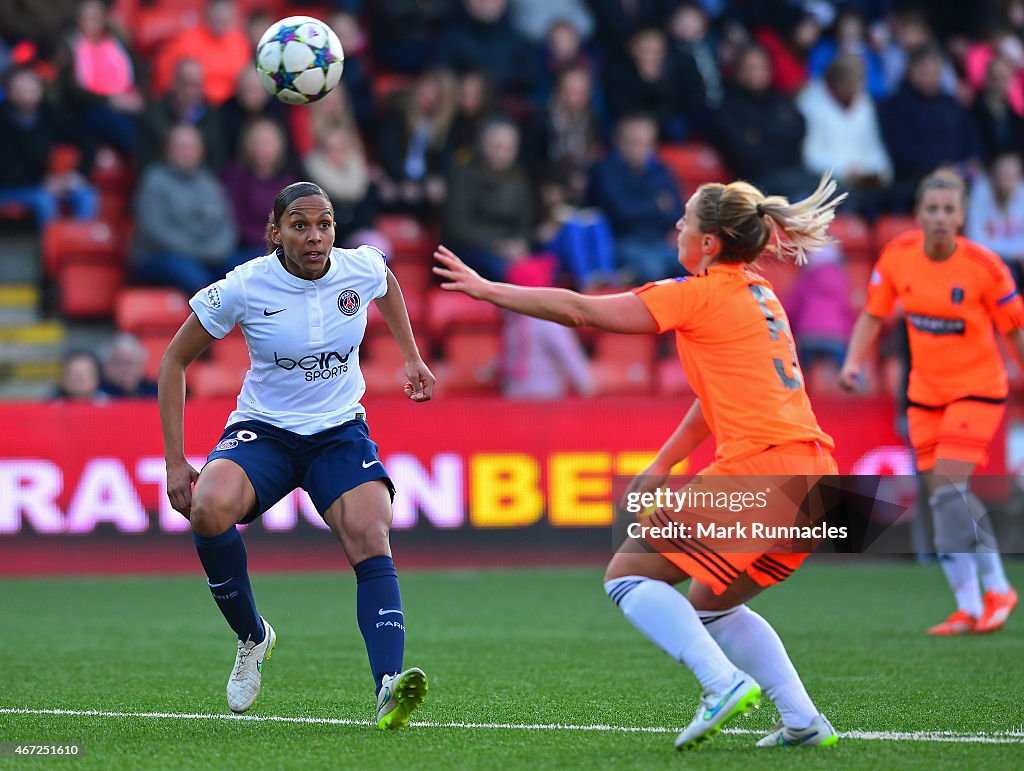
843 133
995 217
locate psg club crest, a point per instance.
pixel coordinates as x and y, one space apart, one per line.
957 295
348 302
244 435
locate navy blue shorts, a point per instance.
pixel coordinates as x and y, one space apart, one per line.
325 465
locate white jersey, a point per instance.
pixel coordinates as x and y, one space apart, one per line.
303 336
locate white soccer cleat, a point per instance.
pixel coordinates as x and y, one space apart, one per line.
244 682
399 696
717 709
819 733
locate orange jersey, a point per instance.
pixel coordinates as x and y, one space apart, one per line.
736 347
950 307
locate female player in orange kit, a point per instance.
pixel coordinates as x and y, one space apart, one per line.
951 290
735 344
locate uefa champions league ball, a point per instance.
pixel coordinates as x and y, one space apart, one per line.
299 59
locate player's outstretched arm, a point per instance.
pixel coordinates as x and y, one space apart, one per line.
865 332
623 312
420 385
190 341
687 437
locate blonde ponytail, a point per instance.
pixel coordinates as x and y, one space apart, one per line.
749 224
802 227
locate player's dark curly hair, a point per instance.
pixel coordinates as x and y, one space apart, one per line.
286 198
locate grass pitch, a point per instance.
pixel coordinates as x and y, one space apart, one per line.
531 647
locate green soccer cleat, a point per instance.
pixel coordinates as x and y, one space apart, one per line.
819 733
399 697
717 709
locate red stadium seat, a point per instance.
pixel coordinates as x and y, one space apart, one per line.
446 310
472 362
384 84
210 380
142 310
383 379
81 241
672 379
12 210
609 378
623 364
231 351
124 12
382 363
64 158
115 207
379 346
417 282
88 290
415 304
854 236
414 275
694 164
112 173
888 226
156 346
409 238
373 318
274 8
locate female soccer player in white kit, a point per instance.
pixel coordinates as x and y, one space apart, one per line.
297 423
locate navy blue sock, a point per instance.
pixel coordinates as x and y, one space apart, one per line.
379 608
227 571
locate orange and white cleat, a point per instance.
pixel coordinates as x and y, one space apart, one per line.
997 609
960 622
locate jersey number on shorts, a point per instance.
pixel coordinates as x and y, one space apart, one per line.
777 327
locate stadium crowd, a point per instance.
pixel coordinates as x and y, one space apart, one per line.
534 137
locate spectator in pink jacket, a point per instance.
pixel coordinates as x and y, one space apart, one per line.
820 314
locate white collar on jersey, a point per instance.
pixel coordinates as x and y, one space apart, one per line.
302 283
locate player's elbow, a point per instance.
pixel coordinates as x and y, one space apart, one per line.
165 368
577 315
870 318
576 319
1015 336
171 363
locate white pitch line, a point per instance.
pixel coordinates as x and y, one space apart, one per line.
996 737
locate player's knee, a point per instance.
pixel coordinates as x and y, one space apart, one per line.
367 539
211 516
953 522
625 563
716 618
620 587
619 568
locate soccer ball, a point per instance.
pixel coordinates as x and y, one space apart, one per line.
299 59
